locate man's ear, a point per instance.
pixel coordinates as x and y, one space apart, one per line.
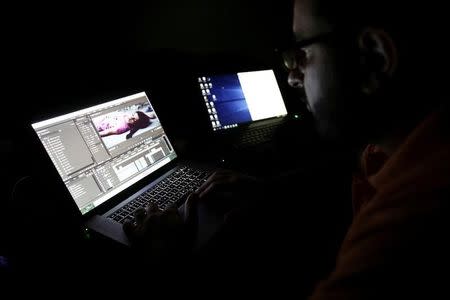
379 58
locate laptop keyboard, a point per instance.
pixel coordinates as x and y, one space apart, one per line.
167 193
258 135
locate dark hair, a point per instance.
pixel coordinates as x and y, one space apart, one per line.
142 122
418 29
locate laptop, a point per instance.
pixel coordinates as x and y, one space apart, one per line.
114 158
248 106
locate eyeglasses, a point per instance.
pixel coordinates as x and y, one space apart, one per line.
295 56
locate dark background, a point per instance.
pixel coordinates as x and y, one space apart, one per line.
63 56
61 52
58 57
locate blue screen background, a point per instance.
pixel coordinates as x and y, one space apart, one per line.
230 103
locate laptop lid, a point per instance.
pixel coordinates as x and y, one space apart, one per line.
103 150
235 99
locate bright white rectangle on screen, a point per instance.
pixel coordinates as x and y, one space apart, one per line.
127 171
262 94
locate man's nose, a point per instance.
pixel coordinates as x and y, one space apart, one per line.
296 78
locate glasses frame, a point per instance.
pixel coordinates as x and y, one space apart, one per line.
291 55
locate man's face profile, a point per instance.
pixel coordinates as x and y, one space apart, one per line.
317 74
328 73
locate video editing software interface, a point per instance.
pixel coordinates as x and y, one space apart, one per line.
239 98
102 150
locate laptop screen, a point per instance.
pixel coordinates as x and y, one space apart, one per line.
102 150
238 98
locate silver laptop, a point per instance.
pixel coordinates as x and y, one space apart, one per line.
105 153
246 104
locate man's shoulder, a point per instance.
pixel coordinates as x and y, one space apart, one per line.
398 242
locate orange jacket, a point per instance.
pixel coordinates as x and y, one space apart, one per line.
395 245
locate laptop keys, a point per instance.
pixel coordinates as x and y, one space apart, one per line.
167 193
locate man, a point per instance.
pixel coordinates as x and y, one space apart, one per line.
372 87
365 82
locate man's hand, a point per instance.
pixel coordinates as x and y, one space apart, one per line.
158 234
226 181
226 191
